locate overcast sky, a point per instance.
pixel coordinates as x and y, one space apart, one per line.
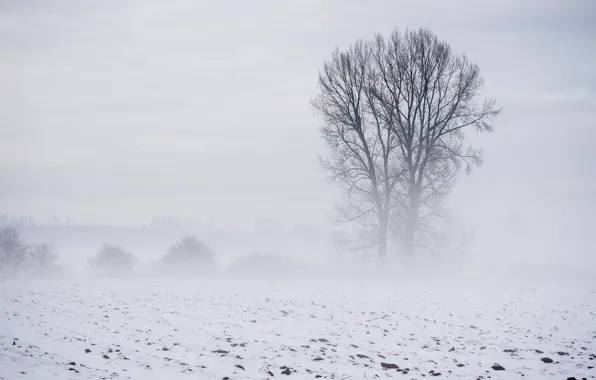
117 111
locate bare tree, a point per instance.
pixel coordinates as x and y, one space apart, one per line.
396 113
361 144
13 251
428 97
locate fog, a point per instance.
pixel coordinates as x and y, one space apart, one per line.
117 112
130 125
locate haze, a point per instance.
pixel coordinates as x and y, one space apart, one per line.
134 123
120 111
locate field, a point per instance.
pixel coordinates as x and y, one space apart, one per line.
248 330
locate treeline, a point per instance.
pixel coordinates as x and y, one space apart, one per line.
187 257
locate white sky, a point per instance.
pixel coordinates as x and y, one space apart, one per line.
118 111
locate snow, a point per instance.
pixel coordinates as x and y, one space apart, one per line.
175 329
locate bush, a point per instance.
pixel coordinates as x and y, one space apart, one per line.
41 261
41 256
13 252
112 260
189 255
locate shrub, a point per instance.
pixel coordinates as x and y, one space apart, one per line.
189 255
41 256
112 260
41 261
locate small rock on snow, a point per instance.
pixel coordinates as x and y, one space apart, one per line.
286 372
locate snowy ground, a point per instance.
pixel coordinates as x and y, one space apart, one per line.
164 330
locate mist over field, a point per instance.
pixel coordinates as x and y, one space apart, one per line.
303 189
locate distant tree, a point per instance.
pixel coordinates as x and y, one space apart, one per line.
189 254
13 252
112 260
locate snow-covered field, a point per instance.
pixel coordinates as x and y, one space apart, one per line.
238 330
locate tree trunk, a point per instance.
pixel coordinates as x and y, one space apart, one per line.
411 222
383 231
